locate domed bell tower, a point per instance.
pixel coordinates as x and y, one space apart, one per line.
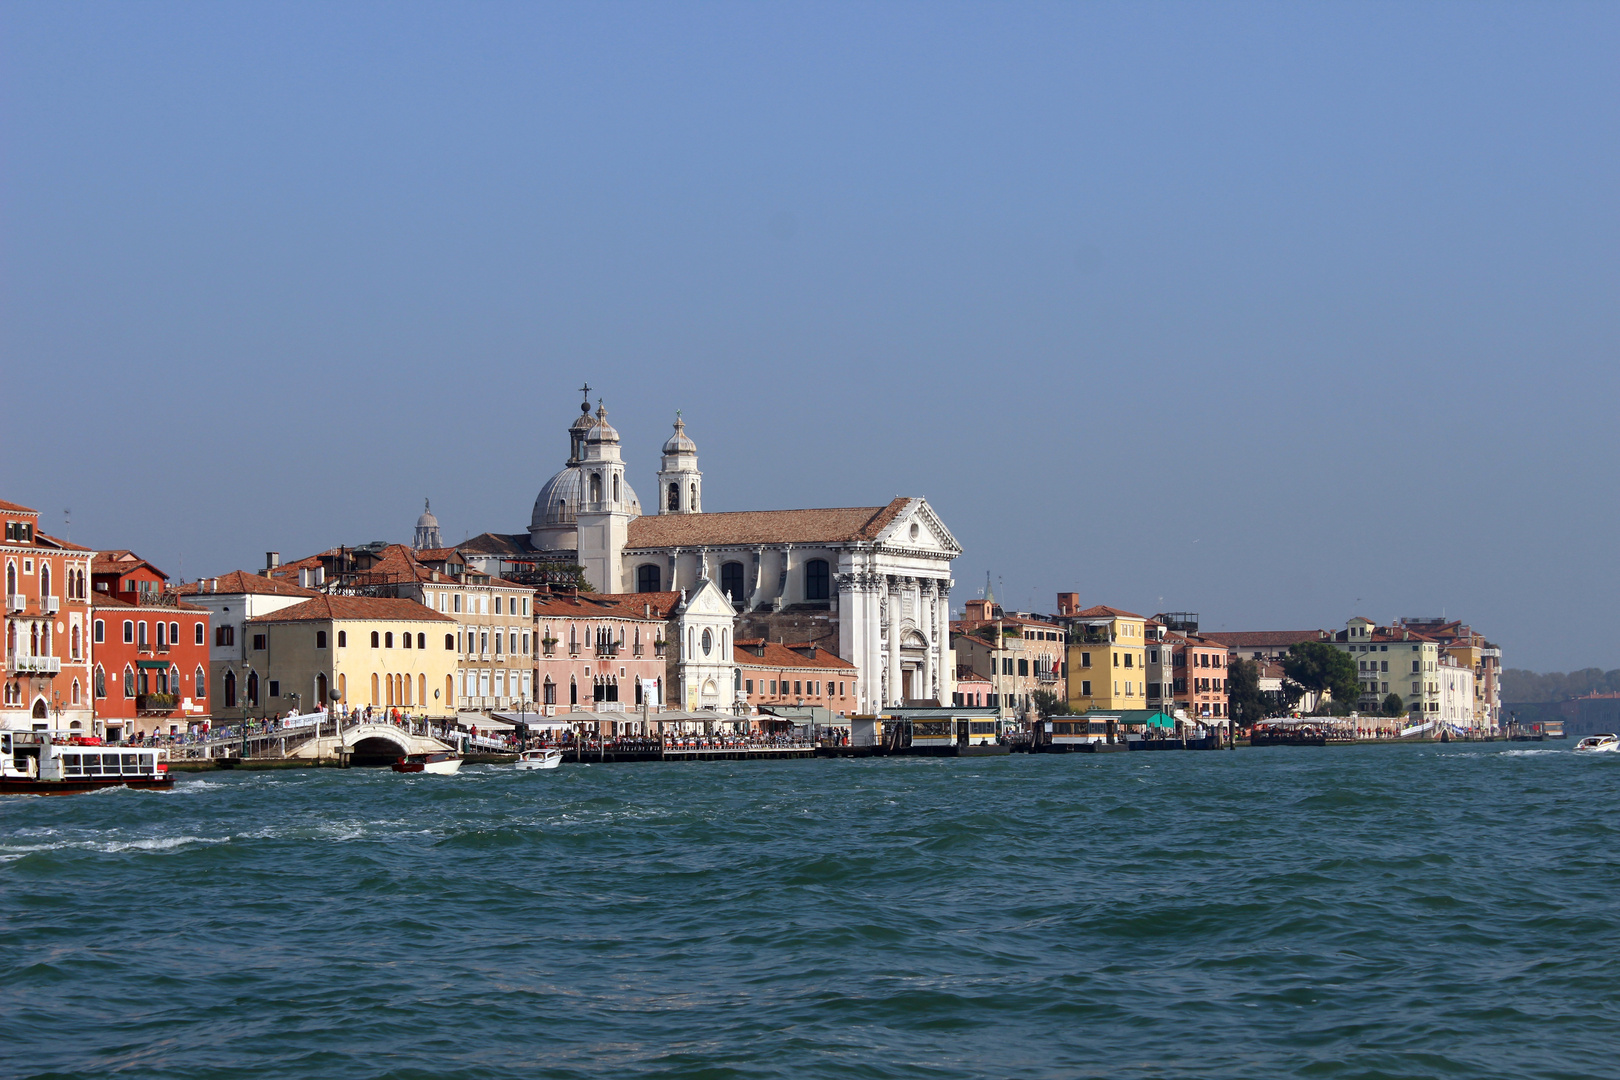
605 506
680 485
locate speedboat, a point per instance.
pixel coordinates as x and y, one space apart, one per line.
440 762
538 759
1598 744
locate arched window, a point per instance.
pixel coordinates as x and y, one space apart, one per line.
407 640
421 641
75 698
596 487
731 581
674 496
421 689
708 642
647 576
343 689
573 691
44 580
692 503
11 579
200 677
230 689
320 639
817 580
253 688
343 639
162 635
129 681
174 633
75 641
550 691
615 487
375 638
450 642
197 634
388 640
101 681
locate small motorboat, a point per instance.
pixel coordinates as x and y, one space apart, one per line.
443 763
538 759
1598 744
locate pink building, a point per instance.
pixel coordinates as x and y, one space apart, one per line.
596 649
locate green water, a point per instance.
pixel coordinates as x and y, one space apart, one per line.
1343 912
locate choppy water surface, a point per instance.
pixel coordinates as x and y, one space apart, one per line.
1365 912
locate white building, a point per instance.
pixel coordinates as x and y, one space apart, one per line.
870 583
232 599
1457 697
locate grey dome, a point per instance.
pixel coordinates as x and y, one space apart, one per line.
557 505
558 500
427 520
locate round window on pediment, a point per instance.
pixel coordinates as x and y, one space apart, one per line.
708 642
916 530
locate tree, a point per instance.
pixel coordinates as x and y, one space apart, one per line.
1244 701
1393 705
1048 704
1318 666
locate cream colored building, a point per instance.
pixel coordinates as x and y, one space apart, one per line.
355 651
1393 660
1107 659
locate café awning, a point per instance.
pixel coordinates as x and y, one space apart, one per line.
161 665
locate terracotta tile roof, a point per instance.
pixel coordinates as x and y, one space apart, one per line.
778 656
964 673
607 606
762 527
103 600
435 554
498 544
46 540
121 561
244 581
1261 639
17 508
368 608
1103 611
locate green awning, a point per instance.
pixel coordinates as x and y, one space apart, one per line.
161 665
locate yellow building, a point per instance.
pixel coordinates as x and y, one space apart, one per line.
1107 659
354 651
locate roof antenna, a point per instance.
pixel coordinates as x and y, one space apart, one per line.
67 524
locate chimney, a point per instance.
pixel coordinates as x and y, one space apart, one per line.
272 559
213 584
303 577
320 575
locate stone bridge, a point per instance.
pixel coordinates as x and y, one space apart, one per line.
368 744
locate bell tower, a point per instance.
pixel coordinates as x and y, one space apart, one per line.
680 484
605 506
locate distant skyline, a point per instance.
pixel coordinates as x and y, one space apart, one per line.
1280 313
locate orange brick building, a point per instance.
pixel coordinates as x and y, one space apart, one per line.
47 613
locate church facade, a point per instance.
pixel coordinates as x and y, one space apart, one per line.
872 584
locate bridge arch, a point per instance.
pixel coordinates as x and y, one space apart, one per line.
377 744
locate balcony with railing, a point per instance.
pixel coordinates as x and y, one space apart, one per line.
22 664
50 604
156 703
16 602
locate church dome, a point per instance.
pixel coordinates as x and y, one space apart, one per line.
557 508
679 443
427 520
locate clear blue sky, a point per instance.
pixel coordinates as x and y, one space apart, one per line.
1280 313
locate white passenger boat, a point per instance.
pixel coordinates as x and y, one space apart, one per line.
1598 744
47 763
441 763
538 759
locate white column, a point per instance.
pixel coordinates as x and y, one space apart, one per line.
896 691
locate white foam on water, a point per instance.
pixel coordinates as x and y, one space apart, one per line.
11 853
1526 753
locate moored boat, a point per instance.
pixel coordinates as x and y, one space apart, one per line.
45 763
441 763
538 759
1599 744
